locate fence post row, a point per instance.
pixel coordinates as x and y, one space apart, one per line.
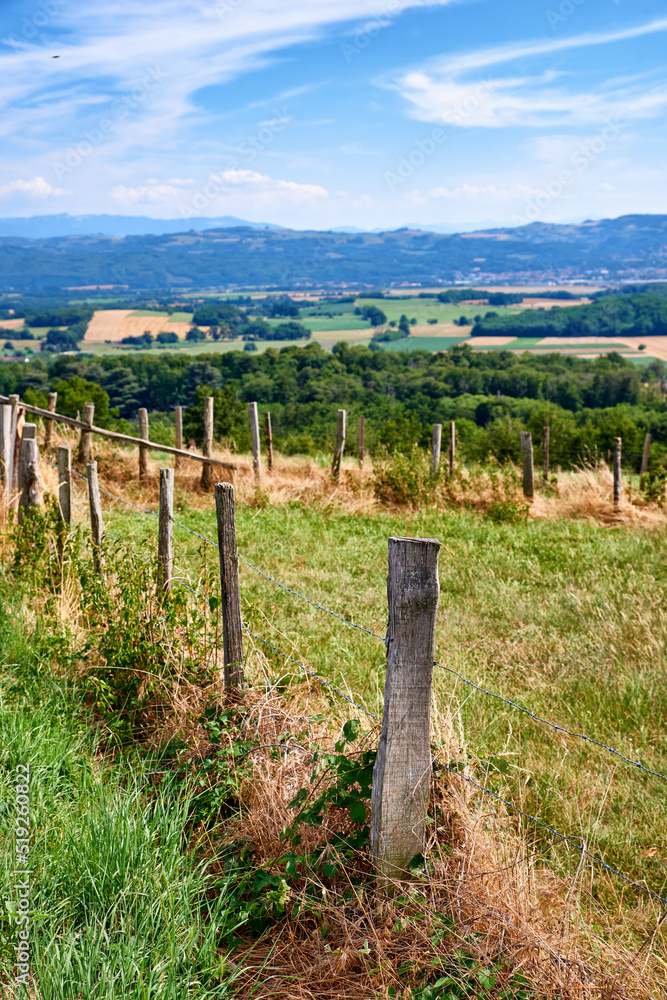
230 591
28 481
362 432
402 771
339 449
65 483
165 529
269 441
452 446
436 444
48 424
85 441
618 442
207 451
645 457
178 433
527 463
96 522
545 454
142 415
254 434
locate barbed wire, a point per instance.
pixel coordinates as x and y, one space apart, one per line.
113 496
560 836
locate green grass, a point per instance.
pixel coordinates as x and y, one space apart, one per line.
149 312
424 309
422 343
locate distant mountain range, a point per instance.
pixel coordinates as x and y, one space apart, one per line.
244 256
41 227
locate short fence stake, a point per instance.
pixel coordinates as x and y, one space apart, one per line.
269 441
65 483
96 522
142 415
452 446
206 469
48 424
545 454
362 431
85 441
254 434
618 442
436 444
527 463
339 449
178 433
645 458
28 471
402 771
230 591
166 520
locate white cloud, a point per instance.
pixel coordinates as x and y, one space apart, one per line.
228 190
37 187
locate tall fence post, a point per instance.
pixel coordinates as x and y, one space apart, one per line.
618 443
339 449
18 419
65 483
402 771
178 433
527 464
545 453
362 432
142 416
206 469
254 434
269 441
5 447
436 445
48 424
645 457
85 441
165 527
230 591
452 446
96 522
28 471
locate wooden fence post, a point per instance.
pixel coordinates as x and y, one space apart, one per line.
96 522
230 591
48 424
18 419
527 463
545 454
5 446
65 483
645 457
85 441
362 432
142 415
269 441
254 434
402 771
436 444
339 449
165 523
178 433
28 471
207 451
452 446
618 442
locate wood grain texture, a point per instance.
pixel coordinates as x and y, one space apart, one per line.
436 445
96 522
269 441
5 445
546 433
527 464
65 483
29 475
86 439
142 416
339 448
362 445
230 590
48 424
253 417
165 531
178 434
618 445
646 454
452 446
206 469
402 771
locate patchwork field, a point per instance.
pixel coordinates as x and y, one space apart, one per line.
114 324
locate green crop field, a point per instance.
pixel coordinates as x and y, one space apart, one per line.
421 343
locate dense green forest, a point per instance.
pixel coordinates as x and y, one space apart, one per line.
491 395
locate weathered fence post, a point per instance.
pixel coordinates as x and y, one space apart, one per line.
545 453
269 441
527 463
96 522
230 591
178 433
436 444
85 441
48 424
618 442
18 419
402 771
28 478
452 446
362 432
5 446
165 523
254 434
339 449
64 483
206 469
142 416
645 457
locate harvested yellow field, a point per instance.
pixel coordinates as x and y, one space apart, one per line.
438 330
11 324
105 325
489 341
114 324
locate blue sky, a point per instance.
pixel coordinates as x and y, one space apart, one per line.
324 113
